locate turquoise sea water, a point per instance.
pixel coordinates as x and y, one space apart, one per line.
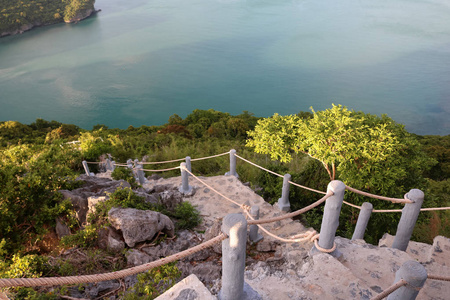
138 62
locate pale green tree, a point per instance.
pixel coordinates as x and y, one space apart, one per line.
363 150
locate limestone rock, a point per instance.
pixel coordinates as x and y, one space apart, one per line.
61 228
137 258
115 243
93 201
190 288
80 204
139 225
212 232
170 198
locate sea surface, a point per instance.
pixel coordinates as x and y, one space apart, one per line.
139 61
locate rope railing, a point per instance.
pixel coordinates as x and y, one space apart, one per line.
51 281
438 277
279 175
396 210
393 200
390 290
208 157
160 170
311 236
182 159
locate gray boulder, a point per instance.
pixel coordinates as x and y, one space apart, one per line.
61 228
170 198
137 258
139 225
79 202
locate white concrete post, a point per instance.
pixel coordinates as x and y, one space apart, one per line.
86 168
283 202
363 220
140 173
113 165
253 234
130 164
185 188
188 164
415 275
108 165
233 257
232 164
330 219
410 213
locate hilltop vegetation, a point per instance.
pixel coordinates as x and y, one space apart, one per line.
16 16
36 162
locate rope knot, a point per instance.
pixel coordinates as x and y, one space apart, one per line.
315 239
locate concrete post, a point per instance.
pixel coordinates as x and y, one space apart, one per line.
108 165
113 165
185 188
410 213
140 173
330 219
232 164
413 273
233 257
283 202
188 164
363 219
253 232
86 168
130 164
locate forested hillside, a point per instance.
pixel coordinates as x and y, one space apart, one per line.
17 16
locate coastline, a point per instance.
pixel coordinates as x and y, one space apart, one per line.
79 17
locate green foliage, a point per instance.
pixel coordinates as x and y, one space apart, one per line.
23 266
30 294
29 180
153 283
125 174
188 217
16 14
93 145
122 197
84 238
363 150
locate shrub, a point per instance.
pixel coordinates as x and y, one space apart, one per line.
153 283
125 174
188 217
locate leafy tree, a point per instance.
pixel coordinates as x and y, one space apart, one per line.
364 150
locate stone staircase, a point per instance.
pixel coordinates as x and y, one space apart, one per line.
289 272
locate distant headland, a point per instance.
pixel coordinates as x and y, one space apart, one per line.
18 17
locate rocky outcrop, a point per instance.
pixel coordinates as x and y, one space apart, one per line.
139 225
81 15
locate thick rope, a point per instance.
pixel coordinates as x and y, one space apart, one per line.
437 277
208 157
390 290
396 210
181 159
279 175
264 169
50 281
160 162
160 170
93 162
393 200
120 165
292 214
307 188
